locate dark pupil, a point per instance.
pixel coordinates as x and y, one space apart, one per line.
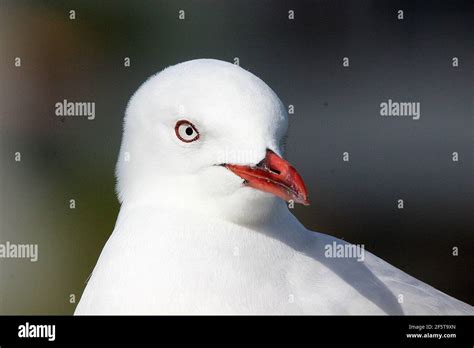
189 131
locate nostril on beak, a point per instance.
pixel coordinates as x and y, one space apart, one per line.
277 172
267 165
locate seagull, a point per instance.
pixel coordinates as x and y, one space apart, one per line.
204 226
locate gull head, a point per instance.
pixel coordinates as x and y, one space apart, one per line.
207 136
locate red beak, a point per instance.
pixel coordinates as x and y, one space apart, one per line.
273 175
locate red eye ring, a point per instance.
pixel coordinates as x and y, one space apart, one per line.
186 131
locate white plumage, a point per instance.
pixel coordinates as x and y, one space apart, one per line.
193 238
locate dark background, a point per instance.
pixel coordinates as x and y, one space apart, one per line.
336 110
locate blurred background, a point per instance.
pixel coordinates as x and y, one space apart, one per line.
336 109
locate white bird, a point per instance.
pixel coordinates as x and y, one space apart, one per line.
203 226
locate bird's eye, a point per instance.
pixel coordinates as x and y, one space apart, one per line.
186 131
